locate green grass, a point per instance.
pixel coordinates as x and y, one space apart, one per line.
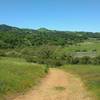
88 46
17 76
90 74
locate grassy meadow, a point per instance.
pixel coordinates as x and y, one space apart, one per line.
87 46
90 74
17 76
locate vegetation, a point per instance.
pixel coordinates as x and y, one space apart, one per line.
20 49
90 74
16 75
50 47
13 37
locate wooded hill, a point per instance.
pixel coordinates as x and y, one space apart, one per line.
13 37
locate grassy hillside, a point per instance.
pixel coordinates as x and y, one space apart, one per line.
90 74
16 75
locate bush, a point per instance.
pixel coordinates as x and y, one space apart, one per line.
69 59
29 59
75 60
96 60
54 62
85 60
58 62
2 53
46 68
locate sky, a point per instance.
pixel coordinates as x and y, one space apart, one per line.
69 15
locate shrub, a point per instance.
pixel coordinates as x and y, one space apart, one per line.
85 60
69 59
75 60
46 68
97 60
2 53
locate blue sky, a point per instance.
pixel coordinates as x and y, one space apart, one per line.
72 15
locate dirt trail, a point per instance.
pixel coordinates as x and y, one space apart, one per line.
58 85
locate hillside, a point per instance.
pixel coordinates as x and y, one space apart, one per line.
13 37
51 47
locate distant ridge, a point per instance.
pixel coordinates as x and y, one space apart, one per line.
4 27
